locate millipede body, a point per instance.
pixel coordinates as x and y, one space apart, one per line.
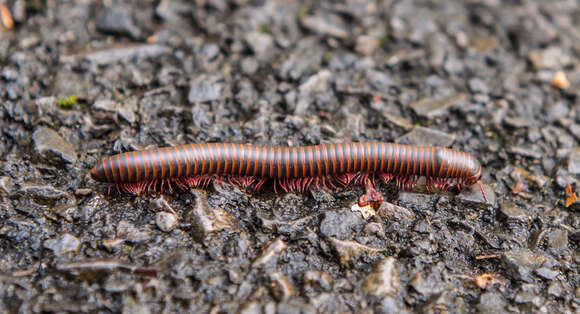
291 168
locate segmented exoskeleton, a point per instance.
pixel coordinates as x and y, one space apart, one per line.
291 168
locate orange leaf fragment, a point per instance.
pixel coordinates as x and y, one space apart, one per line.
518 187
485 281
560 80
6 17
571 196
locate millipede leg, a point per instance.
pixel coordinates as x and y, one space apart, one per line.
330 179
482 192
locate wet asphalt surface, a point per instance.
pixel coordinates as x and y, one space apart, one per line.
81 80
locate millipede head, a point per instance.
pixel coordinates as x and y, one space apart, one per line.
473 172
98 173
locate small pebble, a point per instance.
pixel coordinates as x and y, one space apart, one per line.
272 251
383 280
426 137
51 147
64 244
206 219
281 287
349 251
166 221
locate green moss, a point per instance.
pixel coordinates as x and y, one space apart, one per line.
127 249
327 56
303 12
498 137
384 41
67 102
266 29
35 6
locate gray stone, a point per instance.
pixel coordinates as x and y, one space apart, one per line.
392 211
366 45
380 80
521 262
517 122
453 65
294 306
391 305
477 85
112 55
127 112
64 244
305 60
326 24
206 219
472 194
169 10
426 137
50 146
316 83
349 251
557 111
42 193
251 307
526 151
117 21
491 303
271 252
136 308
116 285
281 287
555 289
527 298
7 186
321 279
557 239
204 88
514 213
574 161
383 280
550 58
249 65
112 244
166 221
261 44
105 105
411 200
375 229
547 273
426 285
128 231
574 128
341 225
432 108
398 120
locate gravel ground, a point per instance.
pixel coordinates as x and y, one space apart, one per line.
81 80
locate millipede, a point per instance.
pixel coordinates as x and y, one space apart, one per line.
290 168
